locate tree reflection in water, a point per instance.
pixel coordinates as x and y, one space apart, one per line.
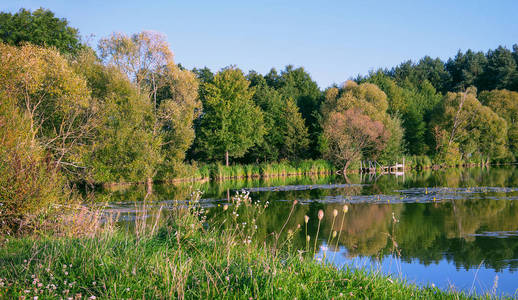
446 217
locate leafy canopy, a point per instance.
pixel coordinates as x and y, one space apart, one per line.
41 28
231 121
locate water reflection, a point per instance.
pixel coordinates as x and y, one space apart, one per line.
455 226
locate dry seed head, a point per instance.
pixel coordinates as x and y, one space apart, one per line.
320 214
225 207
334 234
308 238
346 208
335 213
306 219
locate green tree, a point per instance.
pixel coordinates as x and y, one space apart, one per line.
286 136
147 61
295 133
41 28
231 123
179 107
427 68
505 104
501 70
271 103
204 75
125 149
466 69
297 84
413 104
421 101
464 128
395 95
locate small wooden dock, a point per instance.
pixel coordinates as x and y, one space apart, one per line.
372 167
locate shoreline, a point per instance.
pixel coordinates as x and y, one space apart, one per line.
289 174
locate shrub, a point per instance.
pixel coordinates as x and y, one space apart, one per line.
30 184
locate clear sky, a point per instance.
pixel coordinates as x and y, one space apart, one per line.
332 40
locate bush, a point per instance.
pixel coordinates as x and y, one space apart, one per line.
31 185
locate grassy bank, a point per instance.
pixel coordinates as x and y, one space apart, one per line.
181 257
217 171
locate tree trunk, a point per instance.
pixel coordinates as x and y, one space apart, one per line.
149 185
344 171
226 158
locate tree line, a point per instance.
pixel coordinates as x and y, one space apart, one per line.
127 112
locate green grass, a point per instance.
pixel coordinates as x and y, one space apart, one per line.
119 266
422 162
418 162
279 169
183 258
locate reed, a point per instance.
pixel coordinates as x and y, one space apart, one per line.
345 209
277 169
320 216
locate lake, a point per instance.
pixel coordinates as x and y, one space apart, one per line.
454 228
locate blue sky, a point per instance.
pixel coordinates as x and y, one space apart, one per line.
332 40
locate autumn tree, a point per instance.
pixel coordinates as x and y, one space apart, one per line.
231 122
31 185
350 135
372 102
55 99
144 57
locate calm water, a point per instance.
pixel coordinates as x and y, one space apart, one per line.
453 228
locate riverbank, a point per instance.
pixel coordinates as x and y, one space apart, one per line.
219 172
180 257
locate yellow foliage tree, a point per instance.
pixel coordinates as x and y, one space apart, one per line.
54 98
